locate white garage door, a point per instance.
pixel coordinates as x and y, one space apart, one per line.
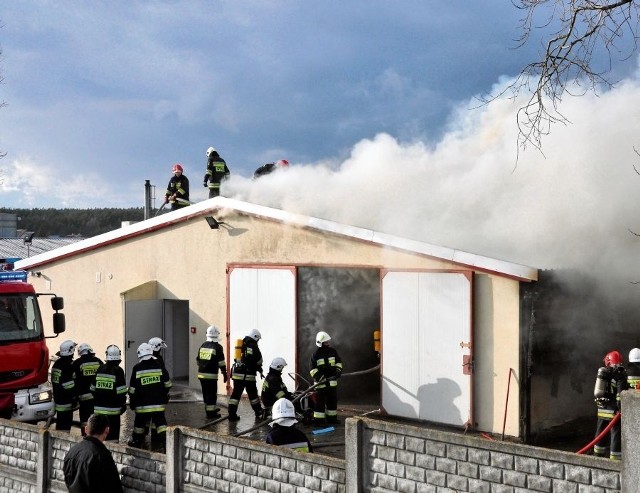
426 346
264 299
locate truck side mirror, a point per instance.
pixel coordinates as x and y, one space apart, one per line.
57 303
59 323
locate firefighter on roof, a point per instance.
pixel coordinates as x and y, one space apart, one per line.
217 171
611 380
243 375
85 369
177 193
326 367
210 361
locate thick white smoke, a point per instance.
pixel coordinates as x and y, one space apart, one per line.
572 207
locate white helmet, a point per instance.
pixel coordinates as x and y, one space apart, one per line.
283 413
213 333
67 348
634 355
113 353
145 351
84 348
157 344
210 150
278 363
255 335
322 337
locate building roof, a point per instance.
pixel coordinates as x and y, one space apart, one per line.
220 204
18 248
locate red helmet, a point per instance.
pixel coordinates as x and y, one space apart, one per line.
612 358
283 163
176 167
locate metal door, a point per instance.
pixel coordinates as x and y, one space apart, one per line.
426 346
264 299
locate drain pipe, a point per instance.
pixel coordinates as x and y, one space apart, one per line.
506 402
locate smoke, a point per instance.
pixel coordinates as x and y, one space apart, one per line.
572 207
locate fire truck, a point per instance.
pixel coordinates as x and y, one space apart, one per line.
25 393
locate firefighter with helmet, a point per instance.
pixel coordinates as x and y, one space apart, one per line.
633 369
273 388
177 193
110 390
210 361
64 386
148 396
243 375
284 431
84 369
326 367
158 344
268 168
216 172
610 382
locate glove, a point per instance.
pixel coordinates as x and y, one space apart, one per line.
602 401
204 184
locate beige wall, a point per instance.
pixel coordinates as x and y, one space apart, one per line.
189 261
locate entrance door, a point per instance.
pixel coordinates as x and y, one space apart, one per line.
265 299
426 346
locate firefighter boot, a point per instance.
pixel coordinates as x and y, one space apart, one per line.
233 413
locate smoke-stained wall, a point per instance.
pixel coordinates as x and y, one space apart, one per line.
346 304
570 324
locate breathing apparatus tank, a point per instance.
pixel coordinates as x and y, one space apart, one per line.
376 341
237 351
602 383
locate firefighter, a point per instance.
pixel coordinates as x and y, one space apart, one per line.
273 388
177 193
326 367
217 171
148 395
158 345
243 375
110 390
268 168
64 387
84 369
633 369
210 361
284 431
610 382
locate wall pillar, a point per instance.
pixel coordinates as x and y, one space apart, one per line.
353 438
174 460
630 474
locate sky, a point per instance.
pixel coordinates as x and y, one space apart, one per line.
376 105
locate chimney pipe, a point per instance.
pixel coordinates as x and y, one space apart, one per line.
147 199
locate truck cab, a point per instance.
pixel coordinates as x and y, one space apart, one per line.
25 393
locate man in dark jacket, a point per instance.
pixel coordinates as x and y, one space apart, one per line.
64 386
84 369
89 466
243 376
148 396
210 361
326 367
273 388
110 390
217 172
269 168
177 193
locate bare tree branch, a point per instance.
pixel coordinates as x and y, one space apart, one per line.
580 30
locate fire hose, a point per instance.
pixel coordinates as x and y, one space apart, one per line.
303 394
615 419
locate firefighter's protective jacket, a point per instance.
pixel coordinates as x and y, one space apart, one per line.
613 379
250 361
210 361
149 387
273 388
109 389
217 171
325 364
63 383
178 185
85 369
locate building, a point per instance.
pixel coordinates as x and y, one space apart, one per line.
450 320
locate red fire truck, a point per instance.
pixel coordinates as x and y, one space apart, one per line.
25 393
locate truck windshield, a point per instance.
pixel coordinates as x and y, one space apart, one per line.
20 318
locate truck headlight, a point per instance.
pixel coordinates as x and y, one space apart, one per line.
40 396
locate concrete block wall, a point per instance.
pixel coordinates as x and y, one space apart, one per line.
396 457
205 461
18 457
